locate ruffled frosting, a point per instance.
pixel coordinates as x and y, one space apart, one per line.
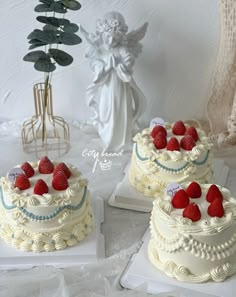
182 273
145 143
59 198
59 239
162 207
194 251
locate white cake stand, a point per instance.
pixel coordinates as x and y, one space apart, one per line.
91 249
141 275
127 197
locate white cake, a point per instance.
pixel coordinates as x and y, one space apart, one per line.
194 251
152 169
47 222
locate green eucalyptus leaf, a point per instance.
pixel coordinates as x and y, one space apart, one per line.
48 2
58 7
43 8
50 28
56 22
71 28
34 56
33 46
61 57
32 33
72 4
36 43
44 36
69 38
44 65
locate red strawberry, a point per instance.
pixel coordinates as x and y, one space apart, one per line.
193 132
173 144
160 141
180 199
40 187
59 181
45 166
194 190
158 129
22 182
64 168
192 212
28 169
216 209
187 143
179 128
213 192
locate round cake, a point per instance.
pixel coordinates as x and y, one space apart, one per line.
170 153
44 207
193 234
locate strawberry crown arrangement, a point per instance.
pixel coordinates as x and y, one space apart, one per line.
185 199
56 31
61 174
187 142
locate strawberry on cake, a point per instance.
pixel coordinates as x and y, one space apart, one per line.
170 153
193 233
46 207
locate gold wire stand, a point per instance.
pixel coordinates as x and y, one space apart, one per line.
44 132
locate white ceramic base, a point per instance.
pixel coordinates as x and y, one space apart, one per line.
141 274
89 250
126 196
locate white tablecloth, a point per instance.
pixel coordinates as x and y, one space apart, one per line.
123 229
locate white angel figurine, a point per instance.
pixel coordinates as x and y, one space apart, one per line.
116 100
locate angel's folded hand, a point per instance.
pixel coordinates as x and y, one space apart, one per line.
127 58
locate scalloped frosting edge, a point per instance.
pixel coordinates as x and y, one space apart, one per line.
152 186
162 208
181 273
46 242
185 242
21 199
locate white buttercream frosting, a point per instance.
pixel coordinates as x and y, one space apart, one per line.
194 251
47 222
13 194
153 169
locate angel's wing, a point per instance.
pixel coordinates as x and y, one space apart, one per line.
135 36
90 38
93 40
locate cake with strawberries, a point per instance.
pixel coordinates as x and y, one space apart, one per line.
172 152
44 206
193 233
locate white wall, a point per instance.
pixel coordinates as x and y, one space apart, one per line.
174 70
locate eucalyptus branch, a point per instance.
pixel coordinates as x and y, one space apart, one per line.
55 31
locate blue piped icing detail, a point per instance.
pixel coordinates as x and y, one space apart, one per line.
56 212
9 207
52 215
203 161
138 155
172 169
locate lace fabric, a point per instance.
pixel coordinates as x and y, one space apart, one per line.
221 108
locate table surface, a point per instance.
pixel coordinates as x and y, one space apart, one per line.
123 229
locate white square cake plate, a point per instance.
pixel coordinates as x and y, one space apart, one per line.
91 249
127 197
140 273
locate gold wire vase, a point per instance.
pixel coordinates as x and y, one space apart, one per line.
45 132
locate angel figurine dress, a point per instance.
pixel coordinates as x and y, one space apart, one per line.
114 97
